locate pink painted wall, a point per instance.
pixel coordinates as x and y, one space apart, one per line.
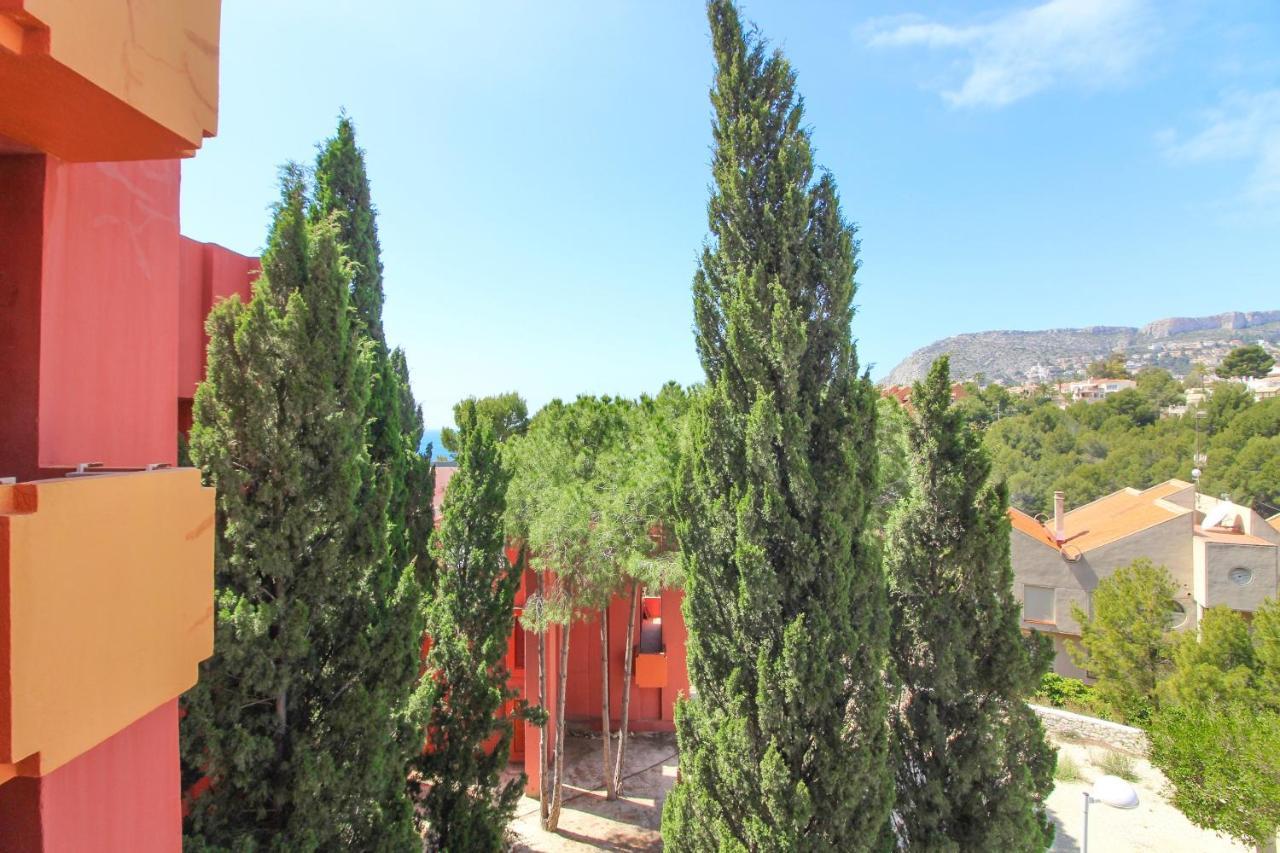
108 331
209 273
124 794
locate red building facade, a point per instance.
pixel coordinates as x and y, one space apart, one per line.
106 551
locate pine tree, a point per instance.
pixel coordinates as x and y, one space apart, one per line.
972 765
470 620
783 745
1126 641
377 651
1216 735
560 471
279 431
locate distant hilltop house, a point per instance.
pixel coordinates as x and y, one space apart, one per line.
1093 390
902 393
1265 387
1218 553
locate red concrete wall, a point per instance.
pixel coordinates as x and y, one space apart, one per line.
208 273
585 682
652 709
93 317
109 340
675 635
22 227
121 795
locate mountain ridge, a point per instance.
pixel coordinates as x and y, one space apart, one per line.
1015 356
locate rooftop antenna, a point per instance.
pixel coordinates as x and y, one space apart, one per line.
1199 459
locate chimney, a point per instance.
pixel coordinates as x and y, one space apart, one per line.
1059 517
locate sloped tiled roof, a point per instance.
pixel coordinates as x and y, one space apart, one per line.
1028 525
1109 518
443 476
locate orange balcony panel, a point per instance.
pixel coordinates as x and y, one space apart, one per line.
106 607
109 79
651 669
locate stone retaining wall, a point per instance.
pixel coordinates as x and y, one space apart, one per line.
1067 724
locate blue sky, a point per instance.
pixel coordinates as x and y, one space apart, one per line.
541 169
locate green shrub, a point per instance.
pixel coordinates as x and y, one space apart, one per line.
1117 764
1067 770
1057 691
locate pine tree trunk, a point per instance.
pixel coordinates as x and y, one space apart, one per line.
543 802
626 689
557 785
609 792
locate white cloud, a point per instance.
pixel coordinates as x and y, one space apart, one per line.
1089 43
1245 126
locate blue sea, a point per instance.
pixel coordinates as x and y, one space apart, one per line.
432 437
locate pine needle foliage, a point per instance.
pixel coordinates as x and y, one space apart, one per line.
783 745
972 765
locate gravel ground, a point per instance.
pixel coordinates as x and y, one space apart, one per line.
632 823
1154 825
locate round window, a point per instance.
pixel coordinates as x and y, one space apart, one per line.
1240 576
1177 615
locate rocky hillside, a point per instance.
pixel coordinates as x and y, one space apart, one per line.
1014 357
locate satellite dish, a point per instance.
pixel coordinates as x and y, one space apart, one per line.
1115 792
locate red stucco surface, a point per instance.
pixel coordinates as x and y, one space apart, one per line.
22 224
109 340
90 314
124 794
208 274
652 708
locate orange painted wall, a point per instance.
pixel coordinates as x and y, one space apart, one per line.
123 794
109 79
106 607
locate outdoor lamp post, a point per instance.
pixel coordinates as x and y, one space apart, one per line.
1111 790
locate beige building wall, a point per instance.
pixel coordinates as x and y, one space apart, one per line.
1215 564
1168 544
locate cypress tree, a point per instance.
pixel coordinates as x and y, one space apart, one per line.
784 744
279 431
376 653
470 620
972 765
403 480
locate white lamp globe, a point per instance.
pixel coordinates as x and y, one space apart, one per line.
1115 792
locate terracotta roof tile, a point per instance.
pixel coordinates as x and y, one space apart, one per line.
1108 518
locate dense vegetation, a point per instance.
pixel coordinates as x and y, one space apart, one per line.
588 501
783 744
1209 698
300 730
279 429
1092 449
972 765
469 621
